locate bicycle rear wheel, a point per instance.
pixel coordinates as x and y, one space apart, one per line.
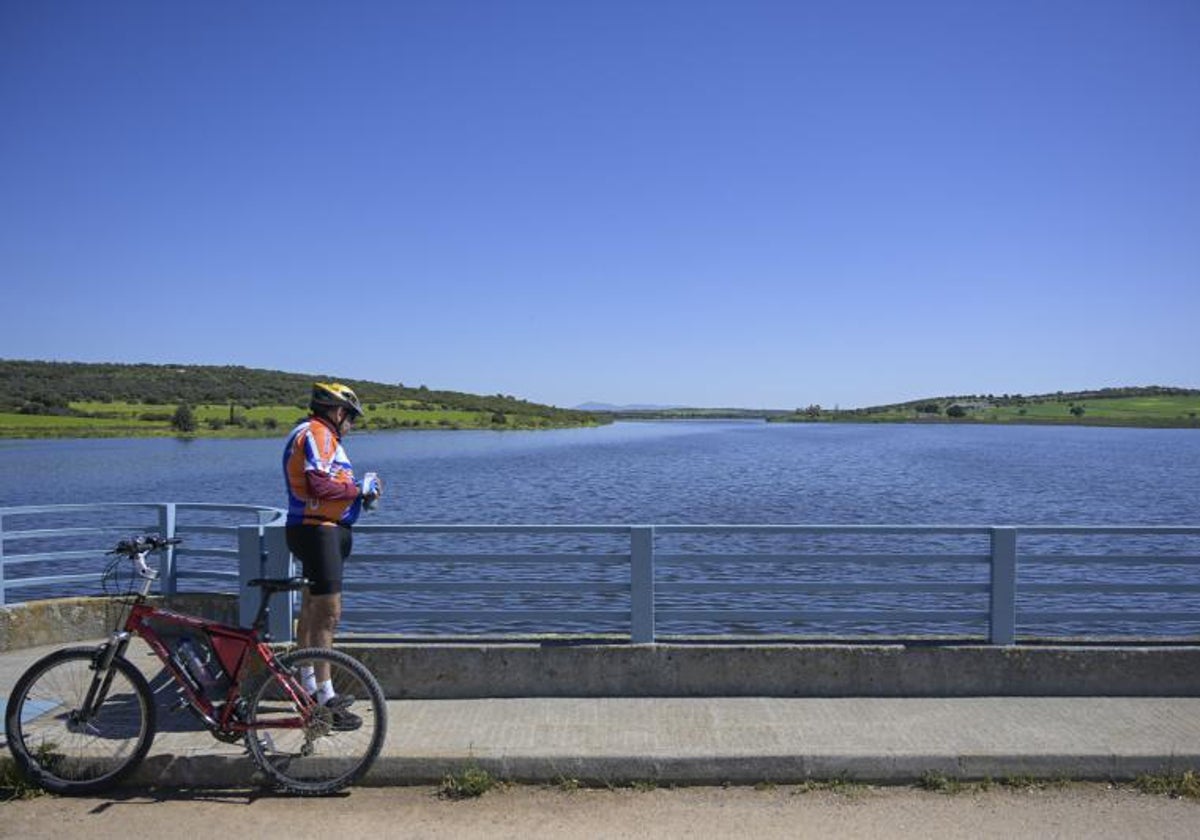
64 749
336 746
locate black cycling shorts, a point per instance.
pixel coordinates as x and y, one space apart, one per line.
322 551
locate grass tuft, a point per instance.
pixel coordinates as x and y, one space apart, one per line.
473 781
14 784
1184 785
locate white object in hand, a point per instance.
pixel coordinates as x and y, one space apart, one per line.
371 489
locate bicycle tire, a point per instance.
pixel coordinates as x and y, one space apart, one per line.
61 753
317 760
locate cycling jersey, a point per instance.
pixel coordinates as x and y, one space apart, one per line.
319 478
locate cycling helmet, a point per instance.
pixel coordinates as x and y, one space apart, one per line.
334 395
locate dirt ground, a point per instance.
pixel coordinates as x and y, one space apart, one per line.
1073 811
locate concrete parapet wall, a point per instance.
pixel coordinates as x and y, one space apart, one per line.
564 669
432 671
63 620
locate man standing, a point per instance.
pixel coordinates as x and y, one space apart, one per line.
324 501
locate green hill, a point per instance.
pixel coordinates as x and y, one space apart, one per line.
1153 406
43 399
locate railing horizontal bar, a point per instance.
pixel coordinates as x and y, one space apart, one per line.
979 530
498 586
771 587
201 575
16 559
821 615
186 551
492 529
57 532
483 615
610 559
18 583
36 509
821 558
1108 530
1122 588
1156 617
219 507
1116 559
207 529
50 533
214 507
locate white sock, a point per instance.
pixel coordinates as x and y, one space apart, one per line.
308 678
325 691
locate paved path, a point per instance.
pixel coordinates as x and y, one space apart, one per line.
1086 811
742 740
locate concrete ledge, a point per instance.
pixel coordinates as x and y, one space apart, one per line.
64 620
563 669
430 671
391 770
779 769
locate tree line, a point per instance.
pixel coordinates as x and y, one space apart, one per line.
38 387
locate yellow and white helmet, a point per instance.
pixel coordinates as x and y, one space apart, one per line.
335 395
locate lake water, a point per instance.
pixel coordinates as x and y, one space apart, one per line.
672 473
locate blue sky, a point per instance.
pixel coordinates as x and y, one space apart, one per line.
747 203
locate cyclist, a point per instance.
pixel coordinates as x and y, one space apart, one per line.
324 501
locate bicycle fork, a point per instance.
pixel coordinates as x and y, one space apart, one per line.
79 720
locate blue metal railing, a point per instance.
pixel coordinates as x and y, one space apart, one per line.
46 549
654 582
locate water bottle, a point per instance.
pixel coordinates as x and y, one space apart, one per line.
209 683
370 487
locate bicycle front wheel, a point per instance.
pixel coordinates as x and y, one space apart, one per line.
336 745
65 747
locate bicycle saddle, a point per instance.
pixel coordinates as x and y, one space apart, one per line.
279 584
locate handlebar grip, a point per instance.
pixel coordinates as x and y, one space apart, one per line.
138 545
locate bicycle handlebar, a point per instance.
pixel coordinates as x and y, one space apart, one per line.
141 545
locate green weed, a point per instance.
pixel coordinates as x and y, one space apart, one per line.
933 780
1185 785
842 784
568 784
471 782
14 784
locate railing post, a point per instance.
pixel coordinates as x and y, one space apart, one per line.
1004 586
263 552
641 582
2 602
277 563
168 580
250 566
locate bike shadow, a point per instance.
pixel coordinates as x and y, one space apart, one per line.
168 714
232 796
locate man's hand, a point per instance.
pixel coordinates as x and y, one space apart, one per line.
372 489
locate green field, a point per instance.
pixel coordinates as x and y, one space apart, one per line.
1167 411
78 399
127 419
1148 407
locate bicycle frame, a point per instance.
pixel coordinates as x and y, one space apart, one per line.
239 651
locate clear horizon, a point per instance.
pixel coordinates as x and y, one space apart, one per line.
763 204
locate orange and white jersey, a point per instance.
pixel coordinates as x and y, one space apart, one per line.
314 458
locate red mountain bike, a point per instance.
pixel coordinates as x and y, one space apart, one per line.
81 719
